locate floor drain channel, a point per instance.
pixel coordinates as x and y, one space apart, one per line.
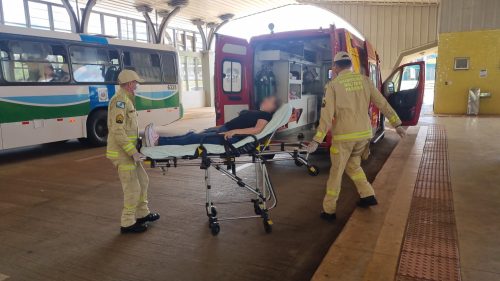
430 247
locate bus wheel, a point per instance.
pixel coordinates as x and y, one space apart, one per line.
97 128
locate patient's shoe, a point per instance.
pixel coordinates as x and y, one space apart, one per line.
150 135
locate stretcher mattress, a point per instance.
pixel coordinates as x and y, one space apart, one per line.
280 118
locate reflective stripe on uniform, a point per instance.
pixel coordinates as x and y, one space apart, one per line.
334 150
128 147
132 138
129 207
331 192
126 167
112 154
351 82
359 176
358 135
394 119
320 135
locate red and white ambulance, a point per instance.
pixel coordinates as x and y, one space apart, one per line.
296 65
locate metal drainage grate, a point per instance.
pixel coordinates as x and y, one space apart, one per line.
430 246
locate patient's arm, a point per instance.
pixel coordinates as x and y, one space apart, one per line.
261 123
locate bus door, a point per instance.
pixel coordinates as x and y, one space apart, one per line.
404 90
233 77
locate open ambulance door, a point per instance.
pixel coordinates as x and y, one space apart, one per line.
233 77
404 89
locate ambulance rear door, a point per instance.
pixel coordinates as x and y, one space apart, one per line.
404 89
233 77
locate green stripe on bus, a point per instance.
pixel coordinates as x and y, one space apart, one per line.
144 104
13 112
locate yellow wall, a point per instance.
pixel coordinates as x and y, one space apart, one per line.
483 49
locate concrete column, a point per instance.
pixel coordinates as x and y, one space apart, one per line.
79 25
84 22
208 57
208 67
166 15
75 23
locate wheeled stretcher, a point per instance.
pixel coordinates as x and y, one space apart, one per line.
255 149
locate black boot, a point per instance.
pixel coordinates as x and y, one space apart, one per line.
135 228
367 201
327 216
149 218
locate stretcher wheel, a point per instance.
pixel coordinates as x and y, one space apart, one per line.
215 228
268 226
211 222
213 211
298 163
256 208
313 170
268 156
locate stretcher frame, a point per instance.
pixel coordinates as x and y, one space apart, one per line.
265 196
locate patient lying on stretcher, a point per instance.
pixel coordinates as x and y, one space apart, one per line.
249 122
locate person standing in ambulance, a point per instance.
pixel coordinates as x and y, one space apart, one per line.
345 112
121 150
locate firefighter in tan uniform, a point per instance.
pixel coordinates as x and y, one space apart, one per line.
121 150
346 102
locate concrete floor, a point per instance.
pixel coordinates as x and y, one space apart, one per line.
60 209
474 156
474 163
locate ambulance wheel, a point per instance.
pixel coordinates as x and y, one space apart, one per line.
97 128
298 163
268 226
312 170
215 229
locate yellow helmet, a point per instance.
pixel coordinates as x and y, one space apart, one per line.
341 56
128 75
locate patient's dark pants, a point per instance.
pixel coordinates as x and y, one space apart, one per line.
209 136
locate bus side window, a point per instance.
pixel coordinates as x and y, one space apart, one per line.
4 59
27 61
146 64
94 64
169 68
127 64
59 64
114 68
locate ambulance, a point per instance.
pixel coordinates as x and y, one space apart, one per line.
295 66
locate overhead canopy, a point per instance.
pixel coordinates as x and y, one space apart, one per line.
210 10
207 10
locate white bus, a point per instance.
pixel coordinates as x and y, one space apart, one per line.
56 86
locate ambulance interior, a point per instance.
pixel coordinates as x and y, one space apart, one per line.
296 71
